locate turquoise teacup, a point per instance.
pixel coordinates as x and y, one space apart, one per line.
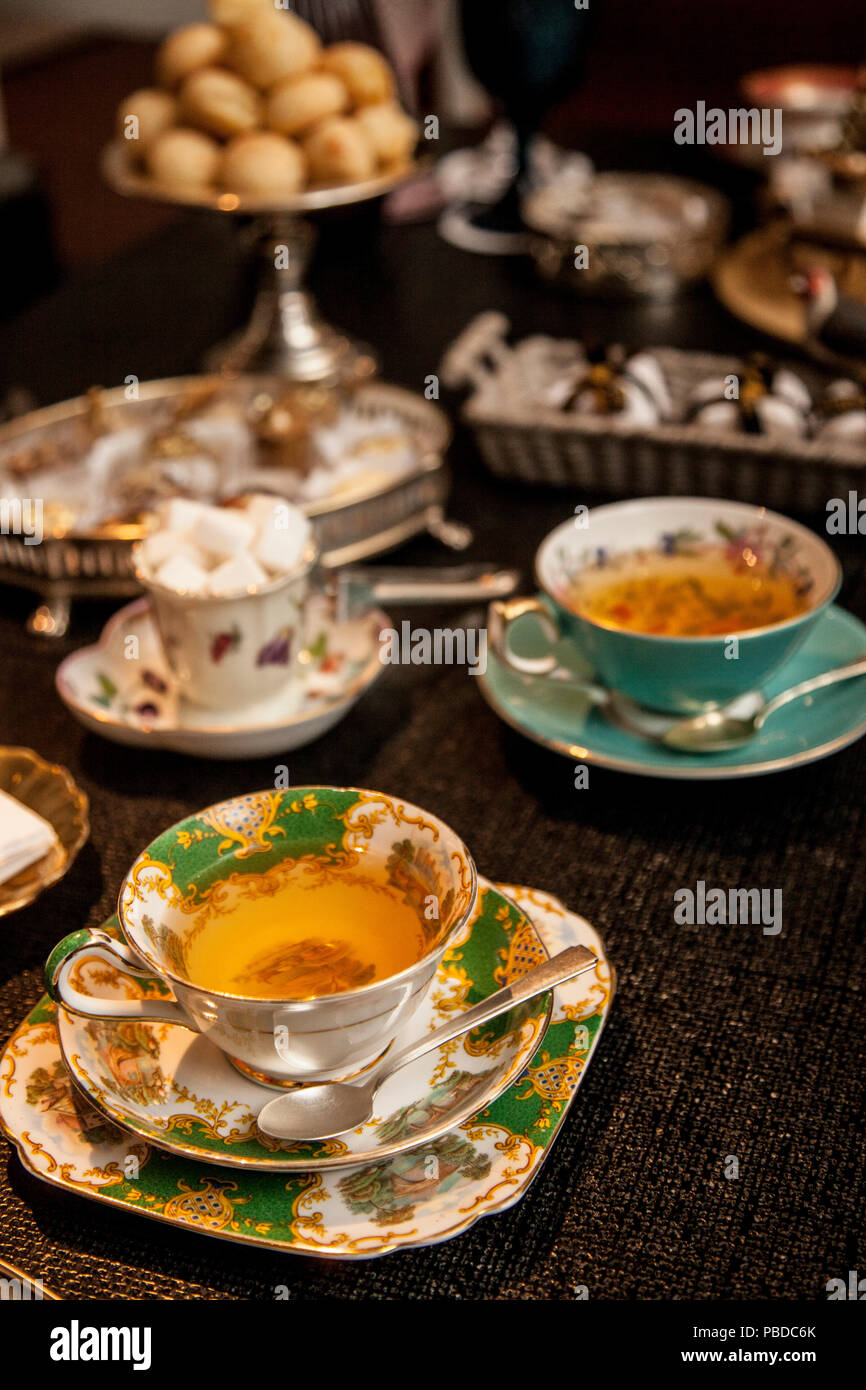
673 674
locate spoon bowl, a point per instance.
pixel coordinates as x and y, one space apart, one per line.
325 1110
316 1112
737 723
714 731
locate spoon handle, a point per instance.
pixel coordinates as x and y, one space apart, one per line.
359 588
561 967
840 673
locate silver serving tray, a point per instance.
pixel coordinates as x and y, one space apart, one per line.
348 528
624 260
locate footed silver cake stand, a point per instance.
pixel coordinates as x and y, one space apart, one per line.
285 335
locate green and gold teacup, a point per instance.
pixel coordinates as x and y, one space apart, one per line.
250 854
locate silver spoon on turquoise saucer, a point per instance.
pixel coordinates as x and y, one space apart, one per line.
333 1107
715 731
737 723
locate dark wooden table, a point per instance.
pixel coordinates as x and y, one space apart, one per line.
721 1041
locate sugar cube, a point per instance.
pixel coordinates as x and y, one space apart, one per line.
182 515
162 545
262 508
182 574
235 575
222 532
282 539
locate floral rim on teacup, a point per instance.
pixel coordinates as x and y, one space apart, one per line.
764 537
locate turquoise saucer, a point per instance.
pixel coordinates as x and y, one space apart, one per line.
801 732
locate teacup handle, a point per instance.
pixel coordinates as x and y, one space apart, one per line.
500 616
58 979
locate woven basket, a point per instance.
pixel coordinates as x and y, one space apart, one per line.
595 454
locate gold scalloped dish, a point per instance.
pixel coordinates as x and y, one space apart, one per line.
48 789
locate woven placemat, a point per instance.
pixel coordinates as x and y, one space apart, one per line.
721 1041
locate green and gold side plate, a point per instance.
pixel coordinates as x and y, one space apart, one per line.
443 1180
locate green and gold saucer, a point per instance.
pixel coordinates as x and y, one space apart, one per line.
432 1191
174 1088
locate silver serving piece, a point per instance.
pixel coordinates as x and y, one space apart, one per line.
646 235
285 334
348 528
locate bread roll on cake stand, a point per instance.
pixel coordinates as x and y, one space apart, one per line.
285 334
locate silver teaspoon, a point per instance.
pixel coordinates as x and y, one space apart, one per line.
736 723
333 1107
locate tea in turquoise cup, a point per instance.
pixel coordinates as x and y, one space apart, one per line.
682 604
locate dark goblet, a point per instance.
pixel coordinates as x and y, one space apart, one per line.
529 54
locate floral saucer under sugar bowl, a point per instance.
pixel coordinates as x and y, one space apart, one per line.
136 702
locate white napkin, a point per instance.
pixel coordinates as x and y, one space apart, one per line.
24 837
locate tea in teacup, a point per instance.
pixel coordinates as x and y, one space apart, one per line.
711 591
308 939
652 593
298 930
